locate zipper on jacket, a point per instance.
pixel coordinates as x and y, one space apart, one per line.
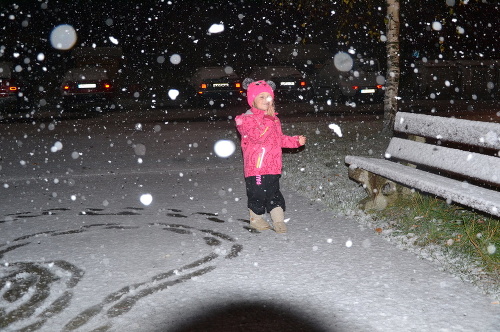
260 160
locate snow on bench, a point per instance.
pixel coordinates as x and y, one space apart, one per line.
452 158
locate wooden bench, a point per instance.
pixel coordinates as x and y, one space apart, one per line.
455 159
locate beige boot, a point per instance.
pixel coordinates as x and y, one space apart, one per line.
278 217
257 222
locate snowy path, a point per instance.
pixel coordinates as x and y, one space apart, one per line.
80 252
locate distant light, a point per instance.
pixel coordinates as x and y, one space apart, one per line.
63 37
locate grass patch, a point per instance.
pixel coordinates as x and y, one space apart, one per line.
427 220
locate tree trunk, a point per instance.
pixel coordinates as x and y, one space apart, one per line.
393 70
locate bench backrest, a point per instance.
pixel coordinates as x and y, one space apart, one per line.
472 165
476 133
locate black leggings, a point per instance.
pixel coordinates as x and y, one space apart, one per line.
266 195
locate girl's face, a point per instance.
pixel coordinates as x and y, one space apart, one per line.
263 101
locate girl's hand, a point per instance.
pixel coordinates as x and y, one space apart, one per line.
302 140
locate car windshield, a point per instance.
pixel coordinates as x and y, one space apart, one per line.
5 71
276 72
91 74
208 73
369 65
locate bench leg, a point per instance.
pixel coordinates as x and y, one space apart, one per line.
381 191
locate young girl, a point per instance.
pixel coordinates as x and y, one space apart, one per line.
261 144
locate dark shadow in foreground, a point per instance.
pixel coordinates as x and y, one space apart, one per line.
249 316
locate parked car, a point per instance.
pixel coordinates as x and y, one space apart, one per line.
87 86
9 88
215 84
363 82
290 83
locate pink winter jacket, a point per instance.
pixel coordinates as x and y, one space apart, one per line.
261 142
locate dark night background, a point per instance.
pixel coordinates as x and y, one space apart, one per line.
149 29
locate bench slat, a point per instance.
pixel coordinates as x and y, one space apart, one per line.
476 133
472 165
457 191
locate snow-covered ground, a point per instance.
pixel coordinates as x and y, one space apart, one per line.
83 247
362 137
